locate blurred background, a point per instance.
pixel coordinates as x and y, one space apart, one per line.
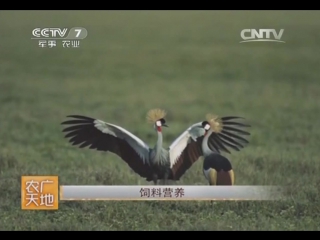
187 62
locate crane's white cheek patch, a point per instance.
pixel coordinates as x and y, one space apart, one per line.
103 127
158 123
207 127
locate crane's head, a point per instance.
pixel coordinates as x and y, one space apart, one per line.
156 117
213 122
206 126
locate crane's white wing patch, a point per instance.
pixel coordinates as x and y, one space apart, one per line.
136 143
103 127
196 131
177 147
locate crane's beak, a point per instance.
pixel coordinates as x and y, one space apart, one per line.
164 125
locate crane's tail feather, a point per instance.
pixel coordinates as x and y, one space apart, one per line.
73 128
231 140
235 136
227 118
81 117
80 120
226 123
75 122
230 145
235 130
218 143
227 133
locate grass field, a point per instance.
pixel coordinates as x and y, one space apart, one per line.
189 63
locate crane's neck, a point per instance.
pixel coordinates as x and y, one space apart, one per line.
205 148
158 146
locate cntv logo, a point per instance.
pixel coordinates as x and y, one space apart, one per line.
261 35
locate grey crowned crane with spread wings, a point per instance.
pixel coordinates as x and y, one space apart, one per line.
217 169
153 164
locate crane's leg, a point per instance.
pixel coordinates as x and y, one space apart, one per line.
165 178
155 179
231 174
213 177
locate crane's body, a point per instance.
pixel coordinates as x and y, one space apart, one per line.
153 164
217 170
159 161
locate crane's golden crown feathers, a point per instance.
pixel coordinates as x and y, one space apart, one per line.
215 122
155 114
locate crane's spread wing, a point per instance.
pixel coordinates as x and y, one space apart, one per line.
185 150
230 135
109 137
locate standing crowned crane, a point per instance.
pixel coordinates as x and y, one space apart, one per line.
153 164
207 139
216 168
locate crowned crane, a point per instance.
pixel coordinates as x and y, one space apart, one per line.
216 168
153 164
208 139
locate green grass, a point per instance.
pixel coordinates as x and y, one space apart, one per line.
189 63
